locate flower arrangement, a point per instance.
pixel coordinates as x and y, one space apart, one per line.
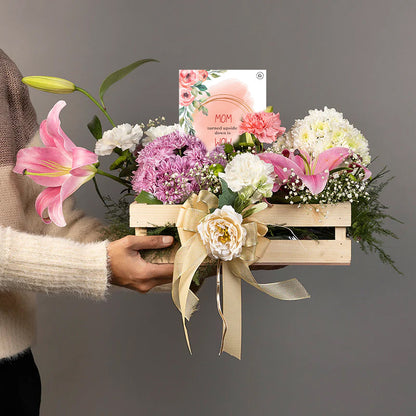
322 159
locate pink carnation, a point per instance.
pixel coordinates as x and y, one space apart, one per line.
265 126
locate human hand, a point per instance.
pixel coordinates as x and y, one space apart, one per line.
129 270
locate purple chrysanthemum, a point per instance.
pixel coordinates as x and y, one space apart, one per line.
174 166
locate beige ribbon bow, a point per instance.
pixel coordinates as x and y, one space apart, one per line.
193 252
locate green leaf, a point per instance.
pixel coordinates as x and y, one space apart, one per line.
256 208
227 196
228 148
127 171
147 198
94 126
204 110
120 74
202 87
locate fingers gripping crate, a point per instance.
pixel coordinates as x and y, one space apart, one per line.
279 252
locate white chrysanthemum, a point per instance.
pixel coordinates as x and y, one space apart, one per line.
159 131
248 172
322 130
222 233
123 136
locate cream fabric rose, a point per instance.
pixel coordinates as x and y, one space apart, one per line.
222 233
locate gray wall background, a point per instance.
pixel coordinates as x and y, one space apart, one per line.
350 349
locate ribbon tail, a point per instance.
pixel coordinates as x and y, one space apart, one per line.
218 296
290 289
185 267
231 286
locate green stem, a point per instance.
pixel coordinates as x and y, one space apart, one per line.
98 191
115 178
97 104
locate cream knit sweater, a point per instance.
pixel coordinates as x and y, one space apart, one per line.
35 257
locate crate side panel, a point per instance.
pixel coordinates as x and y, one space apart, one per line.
339 215
143 215
284 252
307 215
307 252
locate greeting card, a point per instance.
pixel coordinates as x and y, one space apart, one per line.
213 102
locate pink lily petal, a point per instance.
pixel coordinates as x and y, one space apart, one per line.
52 164
54 126
315 183
83 171
50 199
47 139
330 159
276 186
83 157
280 162
367 172
72 184
299 161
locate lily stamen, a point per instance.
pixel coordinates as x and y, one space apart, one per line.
307 165
56 169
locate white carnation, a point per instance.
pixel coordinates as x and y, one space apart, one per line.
123 136
159 131
321 130
247 172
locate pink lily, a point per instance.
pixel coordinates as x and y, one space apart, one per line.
314 173
61 166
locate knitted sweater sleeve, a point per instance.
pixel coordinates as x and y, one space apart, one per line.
52 264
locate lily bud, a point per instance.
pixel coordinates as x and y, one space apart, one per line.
50 84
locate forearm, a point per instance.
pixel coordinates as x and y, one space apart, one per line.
52 264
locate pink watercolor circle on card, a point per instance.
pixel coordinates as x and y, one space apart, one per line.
230 100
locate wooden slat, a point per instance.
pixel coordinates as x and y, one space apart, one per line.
140 231
308 252
300 252
340 233
339 215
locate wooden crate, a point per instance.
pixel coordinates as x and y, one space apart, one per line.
279 252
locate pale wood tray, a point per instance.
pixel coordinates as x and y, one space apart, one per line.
279 252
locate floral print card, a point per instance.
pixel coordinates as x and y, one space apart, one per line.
213 102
